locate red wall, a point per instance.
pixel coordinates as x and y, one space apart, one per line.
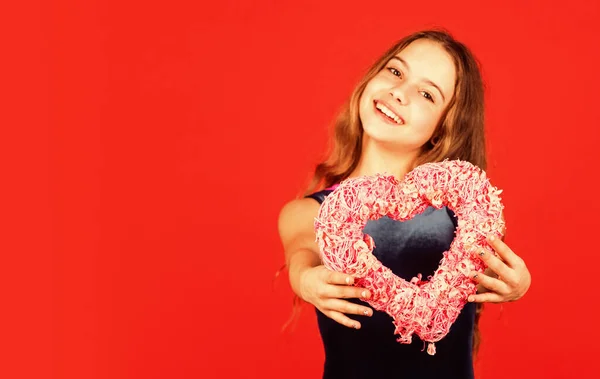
157 141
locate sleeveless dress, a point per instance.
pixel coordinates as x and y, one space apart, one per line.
372 352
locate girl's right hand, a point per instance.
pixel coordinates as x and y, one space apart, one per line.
326 289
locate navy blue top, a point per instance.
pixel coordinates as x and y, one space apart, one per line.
408 248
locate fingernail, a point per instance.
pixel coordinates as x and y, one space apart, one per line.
366 312
364 294
470 299
492 238
356 326
348 280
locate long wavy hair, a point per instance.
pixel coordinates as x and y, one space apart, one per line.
458 135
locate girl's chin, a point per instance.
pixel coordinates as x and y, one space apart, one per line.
388 141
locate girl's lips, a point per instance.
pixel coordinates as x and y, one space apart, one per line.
398 121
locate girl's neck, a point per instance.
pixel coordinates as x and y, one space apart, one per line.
376 159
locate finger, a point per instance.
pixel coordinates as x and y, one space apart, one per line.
494 263
334 277
343 319
492 284
502 249
488 297
346 292
347 307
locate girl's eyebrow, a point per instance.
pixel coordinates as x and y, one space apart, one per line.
428 81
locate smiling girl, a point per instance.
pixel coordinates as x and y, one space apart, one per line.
422 101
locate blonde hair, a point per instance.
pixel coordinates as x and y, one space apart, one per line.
459 134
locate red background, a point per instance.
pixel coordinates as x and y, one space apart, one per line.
150 146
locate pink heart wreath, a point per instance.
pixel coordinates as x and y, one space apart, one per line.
427 308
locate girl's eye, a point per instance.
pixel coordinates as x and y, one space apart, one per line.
395 72
427 95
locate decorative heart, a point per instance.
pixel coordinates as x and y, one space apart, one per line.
427 308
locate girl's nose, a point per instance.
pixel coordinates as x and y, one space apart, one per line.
399 94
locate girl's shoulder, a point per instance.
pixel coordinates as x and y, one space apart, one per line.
296 219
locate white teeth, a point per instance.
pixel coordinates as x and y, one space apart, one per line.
388 112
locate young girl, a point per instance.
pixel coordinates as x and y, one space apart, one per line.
422 101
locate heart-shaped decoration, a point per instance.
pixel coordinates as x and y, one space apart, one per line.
427 308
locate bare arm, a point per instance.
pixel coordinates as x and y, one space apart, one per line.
296 231
309 279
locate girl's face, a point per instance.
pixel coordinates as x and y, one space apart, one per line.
402 105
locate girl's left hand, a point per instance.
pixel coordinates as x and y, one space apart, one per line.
511 280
